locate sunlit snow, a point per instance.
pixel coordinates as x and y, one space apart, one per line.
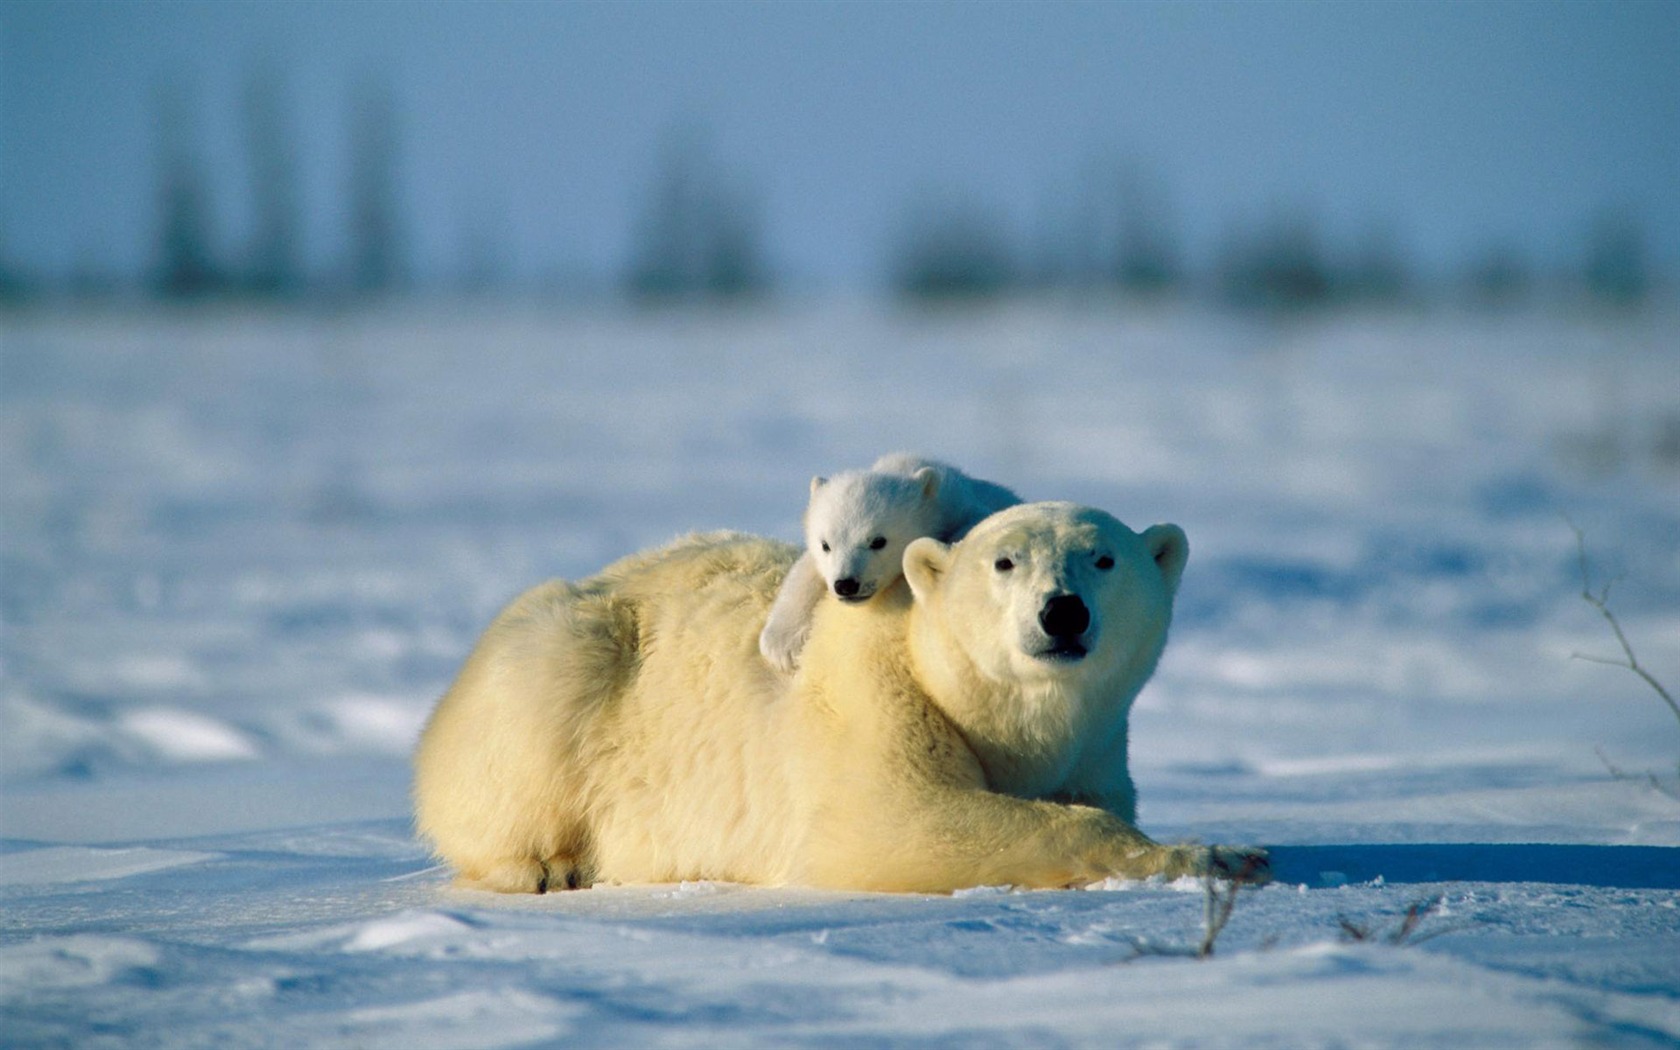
244 553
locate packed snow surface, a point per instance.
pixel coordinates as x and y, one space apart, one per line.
243 553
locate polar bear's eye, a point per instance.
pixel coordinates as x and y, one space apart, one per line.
825 546
878 543
1105 563
1003 565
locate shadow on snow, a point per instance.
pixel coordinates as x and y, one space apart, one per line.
1622 867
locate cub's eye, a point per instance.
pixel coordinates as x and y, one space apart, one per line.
1003 565
825 546
1105 563
878 543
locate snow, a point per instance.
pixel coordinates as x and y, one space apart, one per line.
242 554
57 864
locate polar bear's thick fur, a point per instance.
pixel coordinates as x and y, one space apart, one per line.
966 728
857 525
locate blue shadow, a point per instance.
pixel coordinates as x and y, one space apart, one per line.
1624 867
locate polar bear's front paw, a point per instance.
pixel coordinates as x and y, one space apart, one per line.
781 648
1249 865
1244 864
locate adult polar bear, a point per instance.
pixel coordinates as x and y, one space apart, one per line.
966 729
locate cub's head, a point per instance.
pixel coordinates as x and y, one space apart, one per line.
858 524
1050 592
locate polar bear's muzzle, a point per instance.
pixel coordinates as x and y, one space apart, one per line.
1064 618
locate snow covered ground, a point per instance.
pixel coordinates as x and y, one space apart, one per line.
242 554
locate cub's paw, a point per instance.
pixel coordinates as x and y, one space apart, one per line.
781 649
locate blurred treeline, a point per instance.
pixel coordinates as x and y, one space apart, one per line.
1118 236
700 235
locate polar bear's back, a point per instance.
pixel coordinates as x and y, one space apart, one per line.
613 718
695 783
699 601
729 562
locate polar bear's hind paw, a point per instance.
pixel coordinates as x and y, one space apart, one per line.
528 875
560 873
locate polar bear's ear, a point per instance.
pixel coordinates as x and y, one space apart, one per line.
1170 548
817 483
928 478
925 562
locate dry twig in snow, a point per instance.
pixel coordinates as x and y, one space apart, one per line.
1601 601
1419 910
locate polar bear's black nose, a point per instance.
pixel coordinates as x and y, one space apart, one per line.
1064 616
845 588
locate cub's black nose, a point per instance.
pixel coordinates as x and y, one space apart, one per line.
1064 616
846 588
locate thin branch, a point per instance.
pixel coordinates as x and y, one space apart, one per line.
1404 932
1591 659
1618 773
1352 930
1415 914
1600 602
1220 886
1217 905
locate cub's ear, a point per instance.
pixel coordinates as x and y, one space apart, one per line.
925 562
817 483
1170 548
928 478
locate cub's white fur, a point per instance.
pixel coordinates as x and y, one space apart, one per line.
857 525
967 727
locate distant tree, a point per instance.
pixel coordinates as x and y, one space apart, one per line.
1058 250
1280 267
667 240
480 265
1616 271
1498 277
1076 236
185 267
375 233
13 288
274 264
952 251
697 237
1377 272
1145 259
88 279
1112 230
735 267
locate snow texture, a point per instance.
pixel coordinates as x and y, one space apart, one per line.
242 554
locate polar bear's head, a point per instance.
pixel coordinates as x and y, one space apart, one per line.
858 524
1050 593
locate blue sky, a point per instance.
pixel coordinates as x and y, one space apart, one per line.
1452 126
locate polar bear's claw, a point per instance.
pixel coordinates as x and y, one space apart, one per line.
1245 864
560 873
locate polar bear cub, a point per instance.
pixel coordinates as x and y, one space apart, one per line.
857 525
